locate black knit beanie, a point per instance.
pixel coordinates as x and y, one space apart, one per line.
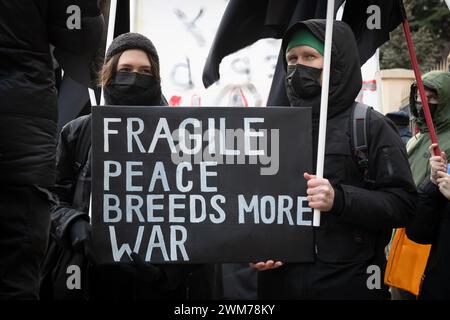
129 41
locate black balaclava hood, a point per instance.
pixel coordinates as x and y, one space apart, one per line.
133 89
416 108
345 73
130 88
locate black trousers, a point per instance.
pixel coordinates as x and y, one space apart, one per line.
320 281
239 282
24 230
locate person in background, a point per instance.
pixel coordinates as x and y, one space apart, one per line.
401 121
432 226
437 90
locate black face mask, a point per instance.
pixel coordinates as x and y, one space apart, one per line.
420 114
302 82
133 89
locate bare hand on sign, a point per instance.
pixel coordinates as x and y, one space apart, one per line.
320 193
269 264
437 163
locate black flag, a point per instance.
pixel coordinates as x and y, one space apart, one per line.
245 22
80 70
371 22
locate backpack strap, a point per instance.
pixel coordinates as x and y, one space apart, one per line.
360 145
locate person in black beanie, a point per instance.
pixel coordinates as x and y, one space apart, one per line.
125 85
130 76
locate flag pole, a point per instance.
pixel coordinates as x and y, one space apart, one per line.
133 11
324 100
92 97
417 74
110 34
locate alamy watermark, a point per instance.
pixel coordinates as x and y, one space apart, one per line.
374 280
74 277
212 144
74 20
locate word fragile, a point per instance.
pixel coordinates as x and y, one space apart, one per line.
202 140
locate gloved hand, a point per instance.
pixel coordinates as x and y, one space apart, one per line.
80 237
142 270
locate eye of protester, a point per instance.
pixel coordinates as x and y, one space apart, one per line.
292 59
146 71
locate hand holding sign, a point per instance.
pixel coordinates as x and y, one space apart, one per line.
437 163
80 235
443 182
142 270
268 265
320 193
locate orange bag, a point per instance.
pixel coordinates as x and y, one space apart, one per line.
406 263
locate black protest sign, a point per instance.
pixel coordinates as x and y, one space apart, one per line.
199 185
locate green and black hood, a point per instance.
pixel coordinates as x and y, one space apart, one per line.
438 81
345 73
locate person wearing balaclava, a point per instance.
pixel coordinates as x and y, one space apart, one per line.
437 90
130 76
432 222
359 210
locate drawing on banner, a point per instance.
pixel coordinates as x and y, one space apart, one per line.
191 26
175 101
242 66
196 100
243 95
182 76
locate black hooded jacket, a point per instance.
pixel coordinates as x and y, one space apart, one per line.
28 98
353 235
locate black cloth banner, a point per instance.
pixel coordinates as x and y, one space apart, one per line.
201 185
245 22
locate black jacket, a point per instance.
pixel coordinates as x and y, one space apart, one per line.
353 235
432 226
28 98
73 177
